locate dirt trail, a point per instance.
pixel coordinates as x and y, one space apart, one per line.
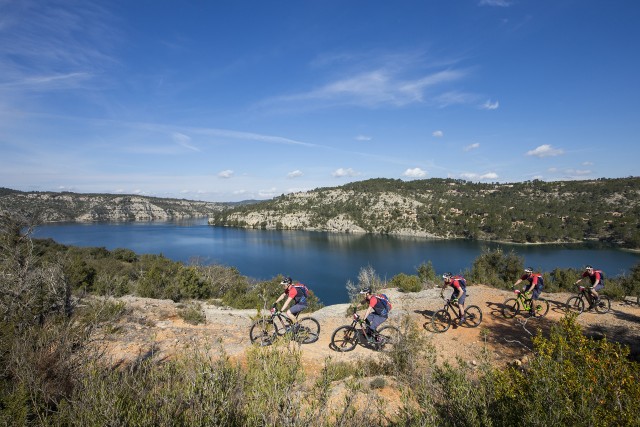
154 325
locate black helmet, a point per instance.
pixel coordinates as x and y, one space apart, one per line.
286 281
447 276
528 270
365 291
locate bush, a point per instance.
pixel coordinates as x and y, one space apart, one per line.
406 283
192 313
495 268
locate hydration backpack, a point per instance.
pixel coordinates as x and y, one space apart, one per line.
384 300
303 293
462 281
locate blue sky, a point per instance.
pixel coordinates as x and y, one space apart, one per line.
234 100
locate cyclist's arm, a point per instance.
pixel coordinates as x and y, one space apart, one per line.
517 282
284 294
286 304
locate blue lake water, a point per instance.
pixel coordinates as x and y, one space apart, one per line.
323 261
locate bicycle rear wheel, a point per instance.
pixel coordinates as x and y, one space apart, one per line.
575 304
473 316
541 307
603 305
441 321
510 308
262 332
308 330
389 338
345 338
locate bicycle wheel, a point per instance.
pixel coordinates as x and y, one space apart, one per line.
604 305
575 304
473 316
441 321
262 332
388 338
345 338
541 306
510 308
308 330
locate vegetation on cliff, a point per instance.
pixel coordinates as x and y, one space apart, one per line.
526 212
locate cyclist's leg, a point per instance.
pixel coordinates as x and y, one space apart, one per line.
535 295
373 321
461 299
294 311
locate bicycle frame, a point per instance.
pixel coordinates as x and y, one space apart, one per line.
453 305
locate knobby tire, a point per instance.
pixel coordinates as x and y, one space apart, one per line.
575 304
262 332
441 321
473 316
390 338
308 330
510 308
344 339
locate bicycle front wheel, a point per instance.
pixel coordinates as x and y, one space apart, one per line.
541 307
473 316
575 305
441 321
389 338
262 332
603 305
345 338
308 330
510 308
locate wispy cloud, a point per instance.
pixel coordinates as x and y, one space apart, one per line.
488 105
342 172
184 140
363 138
545 150
226 174
438 133
472 146
500 3
414 173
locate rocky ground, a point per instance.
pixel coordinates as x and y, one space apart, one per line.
154 326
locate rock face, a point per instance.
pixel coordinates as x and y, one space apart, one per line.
72 207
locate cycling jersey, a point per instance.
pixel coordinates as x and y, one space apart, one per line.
298 293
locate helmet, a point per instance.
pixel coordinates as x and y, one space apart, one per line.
286 281
365 291
447 276
528 270
588 267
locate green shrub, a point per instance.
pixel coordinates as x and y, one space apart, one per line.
495 268
192 313
406 283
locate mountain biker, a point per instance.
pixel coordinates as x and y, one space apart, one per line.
536 283
459 285
597 282
377 312
297 293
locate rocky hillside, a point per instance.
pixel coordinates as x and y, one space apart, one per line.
58 207
526 212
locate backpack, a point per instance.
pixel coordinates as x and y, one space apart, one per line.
601 275
462 280
385 302
303 293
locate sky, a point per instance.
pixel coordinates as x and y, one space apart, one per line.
236 100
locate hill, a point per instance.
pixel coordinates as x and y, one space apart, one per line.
528 212
69 207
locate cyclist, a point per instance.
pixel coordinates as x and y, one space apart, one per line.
536 283
377 312
459 285
297 293
597 282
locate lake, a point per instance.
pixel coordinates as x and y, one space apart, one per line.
322 261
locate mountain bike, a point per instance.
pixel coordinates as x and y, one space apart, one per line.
346 337
442 319
512 306
576 303
265 330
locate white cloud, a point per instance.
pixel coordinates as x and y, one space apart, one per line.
341 172
225 174
268 193
414 173
545 150
472 146
587 163
295 174
471 176
488 105
438 134
578 172
363 138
